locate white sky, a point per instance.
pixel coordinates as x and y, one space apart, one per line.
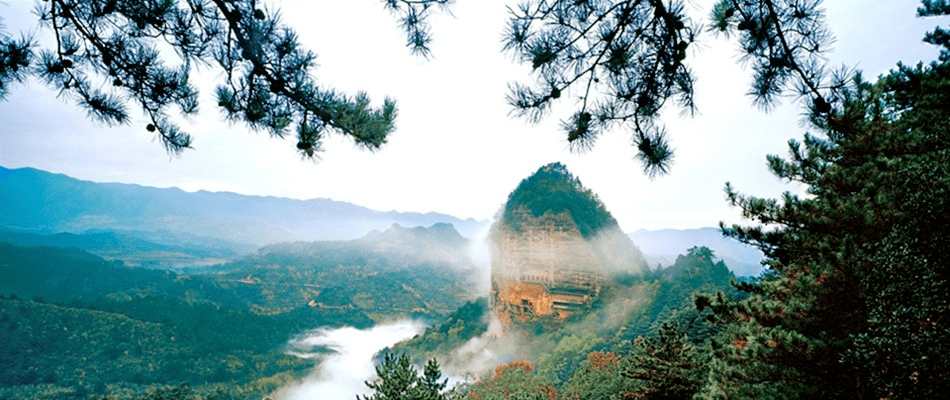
456 150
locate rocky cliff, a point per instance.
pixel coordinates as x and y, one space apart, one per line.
554 248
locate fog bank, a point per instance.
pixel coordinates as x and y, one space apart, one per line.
340 375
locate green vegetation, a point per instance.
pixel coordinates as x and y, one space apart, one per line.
854 304
553 189
96 327
106 56
469 321
516 380
634 306
84 351
399 380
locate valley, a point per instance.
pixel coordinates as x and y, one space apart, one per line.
125 312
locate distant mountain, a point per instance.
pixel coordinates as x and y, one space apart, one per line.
398 273
133 249
662 246
92 242
106 244
42 202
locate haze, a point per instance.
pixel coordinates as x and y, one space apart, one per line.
456 151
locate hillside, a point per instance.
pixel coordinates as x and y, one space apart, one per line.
631 306
42 202
75 325
663 246
553 189
400 272
132 250
57 351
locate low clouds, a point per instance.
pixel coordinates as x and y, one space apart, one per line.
340 374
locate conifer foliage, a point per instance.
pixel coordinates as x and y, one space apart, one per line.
111 56
623 60
15 57
668 366
553 189
399 380
855 305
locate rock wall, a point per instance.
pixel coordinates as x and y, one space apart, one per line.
543 269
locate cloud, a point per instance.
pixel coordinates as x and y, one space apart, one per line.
341 374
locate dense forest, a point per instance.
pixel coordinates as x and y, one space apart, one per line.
77 326
553 189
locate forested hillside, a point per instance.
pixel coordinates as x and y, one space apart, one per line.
633 306
76 325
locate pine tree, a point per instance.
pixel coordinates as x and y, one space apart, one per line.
515 380
668 366
624 59
621 60
854 304
398 380
15 58
599 377
106 57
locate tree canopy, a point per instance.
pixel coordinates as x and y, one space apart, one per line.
618 61
623 60
110 56
553 189
398 380
854 303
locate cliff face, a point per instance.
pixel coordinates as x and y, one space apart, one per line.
543 265
546 268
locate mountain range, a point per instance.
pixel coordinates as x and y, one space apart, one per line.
104 217
42 202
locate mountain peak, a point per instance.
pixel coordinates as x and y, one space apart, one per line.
554 248
553 189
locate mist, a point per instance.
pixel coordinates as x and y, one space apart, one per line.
340 374
479 252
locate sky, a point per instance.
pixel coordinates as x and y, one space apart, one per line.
456 149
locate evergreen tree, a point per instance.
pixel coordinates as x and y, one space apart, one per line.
106 57
854 304
668 366
624 59
398 380
600 377
15 58
515 380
